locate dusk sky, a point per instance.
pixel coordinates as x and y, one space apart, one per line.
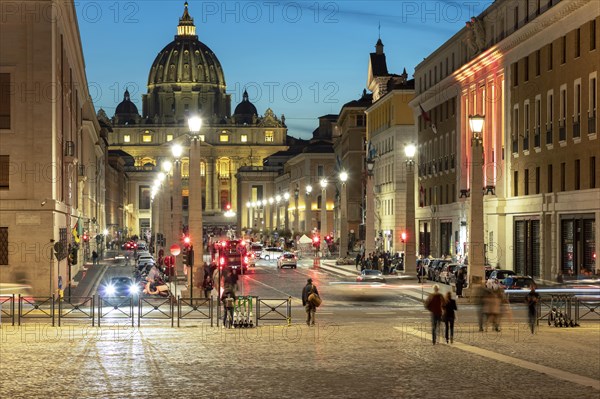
302 59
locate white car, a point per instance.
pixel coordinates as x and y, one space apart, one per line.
287 259
269 253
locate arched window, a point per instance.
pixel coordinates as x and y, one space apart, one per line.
202 168
223 166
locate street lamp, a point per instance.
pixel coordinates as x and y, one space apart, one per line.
475 271
343 216
324 230
195 201
296 212
409 236
308 210
177 226
167 228
369 245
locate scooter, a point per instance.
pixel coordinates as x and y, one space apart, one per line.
157 287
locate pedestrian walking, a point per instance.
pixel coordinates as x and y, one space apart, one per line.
310 306
357 260
492 305
532 300
94 258
435 304
449 316
228 299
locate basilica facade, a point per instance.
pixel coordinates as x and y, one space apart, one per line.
186 79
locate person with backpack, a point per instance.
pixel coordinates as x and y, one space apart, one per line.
310 302
207 284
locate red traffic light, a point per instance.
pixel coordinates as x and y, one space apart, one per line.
403 236
187 240
85 237
315 239
228 207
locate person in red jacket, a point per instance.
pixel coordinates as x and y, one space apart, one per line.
435 304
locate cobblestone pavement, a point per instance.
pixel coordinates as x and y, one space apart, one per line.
337 358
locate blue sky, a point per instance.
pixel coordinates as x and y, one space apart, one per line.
302 59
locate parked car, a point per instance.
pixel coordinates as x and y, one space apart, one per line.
287 259
370 276
496 277
518 287
271 253
447 270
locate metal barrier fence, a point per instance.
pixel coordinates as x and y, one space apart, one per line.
157 309
248 310
272 309
590 309
195 309
7 307
78 308
36 308
119 307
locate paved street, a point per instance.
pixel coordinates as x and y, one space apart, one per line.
371 340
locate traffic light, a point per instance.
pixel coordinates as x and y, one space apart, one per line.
403 236
316 241
184 254
85 237
190 256
187 241
73 256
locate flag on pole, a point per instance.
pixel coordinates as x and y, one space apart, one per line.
76 232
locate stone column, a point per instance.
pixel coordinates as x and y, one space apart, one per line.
166 228
476 233
210 167
369 244
324 228
195 216
410 253
343 221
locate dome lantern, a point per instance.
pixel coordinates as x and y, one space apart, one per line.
186 25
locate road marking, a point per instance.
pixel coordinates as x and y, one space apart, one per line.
381 313
556 373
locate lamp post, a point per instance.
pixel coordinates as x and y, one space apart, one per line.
177 230
195 202
410 241
277 201
271 201
343 216
476 248
324 230
286 199
165 196
369 207
308 208
296 212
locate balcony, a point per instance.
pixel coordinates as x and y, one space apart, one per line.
452 161
526 142
549 135
515 145
592 123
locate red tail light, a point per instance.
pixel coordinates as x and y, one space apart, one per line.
222 261
246 260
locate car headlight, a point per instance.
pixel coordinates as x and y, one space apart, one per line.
109 289
133 289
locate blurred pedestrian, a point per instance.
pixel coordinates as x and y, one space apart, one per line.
449 316
310 307
208 283
479 294
460 282
532 300
492 305
435 304
94 258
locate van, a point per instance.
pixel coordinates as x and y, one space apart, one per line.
256 248
271 253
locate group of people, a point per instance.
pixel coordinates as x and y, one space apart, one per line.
382 261
442 308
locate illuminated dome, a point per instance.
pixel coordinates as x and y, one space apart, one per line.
185 77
